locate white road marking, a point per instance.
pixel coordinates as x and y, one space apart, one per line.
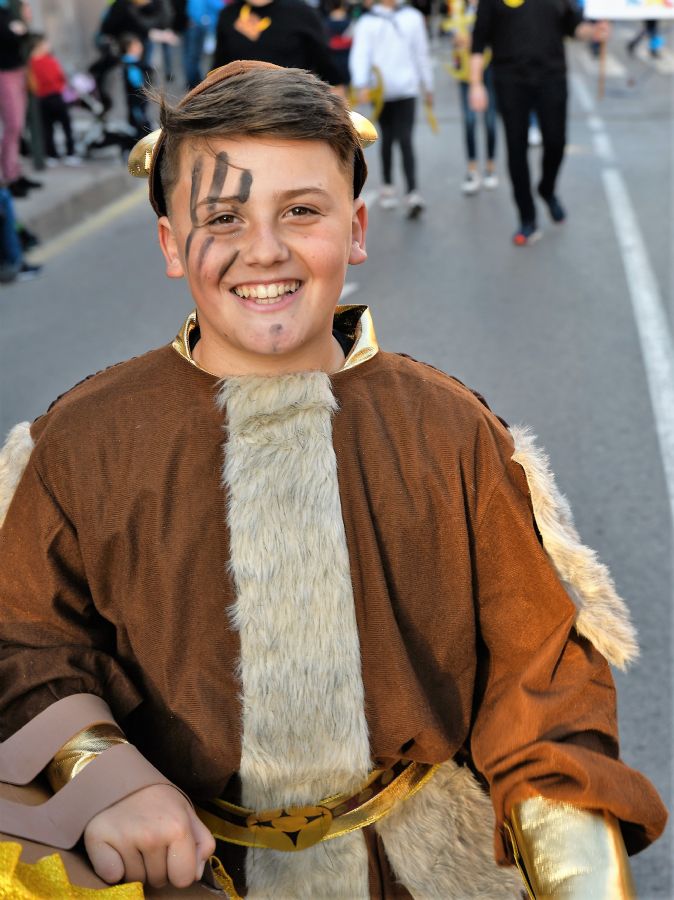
653 328
89 226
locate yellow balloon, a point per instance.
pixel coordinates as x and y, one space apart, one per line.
513 4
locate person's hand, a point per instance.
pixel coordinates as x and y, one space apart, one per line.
363 96
461 40
601 32
428 98
477 97
152 836
16 26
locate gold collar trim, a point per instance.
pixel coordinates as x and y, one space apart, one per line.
354 321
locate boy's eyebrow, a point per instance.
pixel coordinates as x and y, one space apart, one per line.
280 195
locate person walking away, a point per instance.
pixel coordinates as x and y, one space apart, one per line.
393 39
47 82
287 33
131 48
529 65
201 17
14 21
463 19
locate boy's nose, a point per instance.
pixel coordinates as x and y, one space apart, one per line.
264 246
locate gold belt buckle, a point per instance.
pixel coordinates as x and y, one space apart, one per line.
291 828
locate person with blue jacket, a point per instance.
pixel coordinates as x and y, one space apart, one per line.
201 18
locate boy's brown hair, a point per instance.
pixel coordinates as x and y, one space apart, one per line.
255 99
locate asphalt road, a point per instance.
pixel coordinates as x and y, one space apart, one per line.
546 333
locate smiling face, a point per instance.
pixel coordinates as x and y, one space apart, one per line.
263 229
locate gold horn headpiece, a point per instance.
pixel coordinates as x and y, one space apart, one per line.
145 156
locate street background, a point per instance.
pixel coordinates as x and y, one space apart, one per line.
547 333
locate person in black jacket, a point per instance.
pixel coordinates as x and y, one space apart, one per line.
529 67
284 32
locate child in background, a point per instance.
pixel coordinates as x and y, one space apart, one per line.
131 48
13 267
47 81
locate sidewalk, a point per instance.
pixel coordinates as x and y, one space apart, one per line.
70 195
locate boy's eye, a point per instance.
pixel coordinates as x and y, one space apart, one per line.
223 219
301 211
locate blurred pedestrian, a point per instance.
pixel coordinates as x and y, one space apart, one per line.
13 266
339 26
656 42
462 18
392 39
48 82
284 32
14 20
131 48
529 65
201 17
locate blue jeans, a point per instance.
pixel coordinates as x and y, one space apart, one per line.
11 255
193 49
470 119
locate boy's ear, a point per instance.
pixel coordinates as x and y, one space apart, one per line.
358 253
169 247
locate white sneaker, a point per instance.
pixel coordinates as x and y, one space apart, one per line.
535 137
72 161
471 183
387 197
51 162
490 180
415 204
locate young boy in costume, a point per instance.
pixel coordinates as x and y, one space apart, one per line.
318 585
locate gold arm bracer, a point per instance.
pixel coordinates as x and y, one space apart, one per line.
570 853
80 750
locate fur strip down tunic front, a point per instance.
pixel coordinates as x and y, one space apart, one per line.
293 580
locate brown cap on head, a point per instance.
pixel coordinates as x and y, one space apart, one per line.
145 158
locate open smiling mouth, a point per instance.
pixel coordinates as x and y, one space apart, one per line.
265 294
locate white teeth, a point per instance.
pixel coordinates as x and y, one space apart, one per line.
266 293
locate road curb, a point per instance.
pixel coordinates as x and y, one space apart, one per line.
74 208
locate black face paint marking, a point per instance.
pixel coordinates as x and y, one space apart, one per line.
276 329
219 177
197 174
227 266
203 252
245 185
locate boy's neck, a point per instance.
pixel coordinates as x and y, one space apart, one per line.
328 357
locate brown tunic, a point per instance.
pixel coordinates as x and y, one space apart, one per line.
114 581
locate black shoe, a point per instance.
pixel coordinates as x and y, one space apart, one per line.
27 272
555 208
526 234
17 190
28 183
27 239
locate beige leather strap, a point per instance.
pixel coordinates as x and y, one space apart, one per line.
110 777
26 753
60 822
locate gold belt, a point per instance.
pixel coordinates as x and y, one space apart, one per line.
298 827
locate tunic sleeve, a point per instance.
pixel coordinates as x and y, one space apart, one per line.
53 643
545 721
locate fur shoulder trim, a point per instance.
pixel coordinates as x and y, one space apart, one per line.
14 458
603 617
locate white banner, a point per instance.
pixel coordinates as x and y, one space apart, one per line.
629 9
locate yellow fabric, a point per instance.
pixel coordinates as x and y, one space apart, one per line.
48 880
